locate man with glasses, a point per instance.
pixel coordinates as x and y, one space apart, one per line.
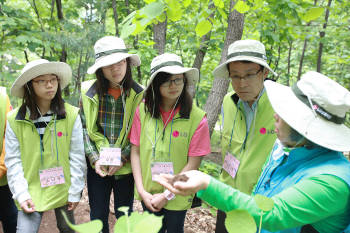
247 116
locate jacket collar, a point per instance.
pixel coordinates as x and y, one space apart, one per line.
23 114
93 89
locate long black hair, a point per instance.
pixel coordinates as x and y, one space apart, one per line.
103 83
153 102
29 101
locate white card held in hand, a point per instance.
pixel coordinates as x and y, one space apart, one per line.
161 168
110 156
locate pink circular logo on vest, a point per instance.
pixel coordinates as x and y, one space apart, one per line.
263 130
176 134
59 134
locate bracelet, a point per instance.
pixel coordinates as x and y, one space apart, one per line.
168 195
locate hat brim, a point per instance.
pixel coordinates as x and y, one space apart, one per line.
114 58
61 69
301 118
192 74
222 71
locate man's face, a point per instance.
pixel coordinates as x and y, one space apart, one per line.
247 80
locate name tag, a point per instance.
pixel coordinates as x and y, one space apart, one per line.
161 168
110 156
231 164
52 176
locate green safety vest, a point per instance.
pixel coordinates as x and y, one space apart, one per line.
3 106
181 131
250 149
91 106
29 143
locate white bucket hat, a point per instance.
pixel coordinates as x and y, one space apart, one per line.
243 50
110 50
315 107
39 67
172 64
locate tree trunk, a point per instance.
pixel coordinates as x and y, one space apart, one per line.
303 52
220 84
63 57
322 35
302 59
198 61
277 61
115 16
289 56
159 36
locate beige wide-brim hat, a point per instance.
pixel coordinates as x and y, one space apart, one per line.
39 67
172 64
243 50
319 121
110 50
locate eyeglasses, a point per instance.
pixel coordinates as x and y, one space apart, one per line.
43 82
247 77
177 81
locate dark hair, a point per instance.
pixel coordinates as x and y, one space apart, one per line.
29 97
103 83
185 100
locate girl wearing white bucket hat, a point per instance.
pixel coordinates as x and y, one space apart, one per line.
169 135
46 166
109 103
306 175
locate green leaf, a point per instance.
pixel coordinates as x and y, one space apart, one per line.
123 209
149 1
127 30
241 7
186 3
153 10
89 227
219 3
313 14
222 13
238 221
203 27
162 17
264 203
174 10
144 222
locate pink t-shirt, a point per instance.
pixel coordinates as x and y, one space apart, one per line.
200 142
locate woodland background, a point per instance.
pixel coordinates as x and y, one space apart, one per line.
299 35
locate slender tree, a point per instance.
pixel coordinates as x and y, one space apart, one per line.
220 84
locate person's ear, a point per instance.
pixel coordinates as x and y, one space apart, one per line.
266 72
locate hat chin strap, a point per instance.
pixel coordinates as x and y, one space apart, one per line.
316 108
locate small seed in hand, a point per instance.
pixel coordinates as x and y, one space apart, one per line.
181 177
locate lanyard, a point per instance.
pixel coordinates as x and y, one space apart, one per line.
234 123
41 144
154 144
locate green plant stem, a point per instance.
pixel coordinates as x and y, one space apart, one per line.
261 214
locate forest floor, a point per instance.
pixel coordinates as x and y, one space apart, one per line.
198 220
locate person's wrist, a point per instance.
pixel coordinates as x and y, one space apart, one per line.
168 195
